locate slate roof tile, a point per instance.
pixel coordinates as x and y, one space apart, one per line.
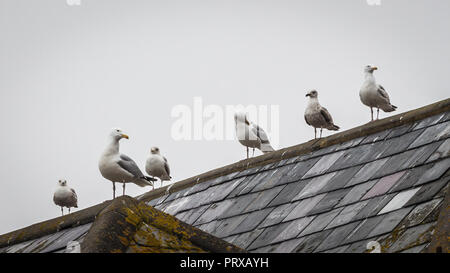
329 201
413 237
374 205
310 242
367 171
299 170
320 222
337 235
252 220
304 207
357 192
289 192
347 214
293 229
314 186
419 213
340 179
323 164
399 200
268 235
245 239
278 214
433 133
442 152
427 191
383 185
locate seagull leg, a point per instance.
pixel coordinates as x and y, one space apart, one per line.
62 212
123 192
247 152
371 112
315 133
114 190
378 112
253 152
320 132
69 210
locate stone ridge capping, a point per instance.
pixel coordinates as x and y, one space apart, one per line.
304 148
51 226
116 225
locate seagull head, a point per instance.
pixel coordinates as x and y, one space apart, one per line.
154 150
241 117
62 182
370 69
312 94
117 134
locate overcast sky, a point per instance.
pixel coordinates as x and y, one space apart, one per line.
68 74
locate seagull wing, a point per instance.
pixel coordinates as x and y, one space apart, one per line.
260 133
166 166
130 166
74 194
383 93
306 120
326 115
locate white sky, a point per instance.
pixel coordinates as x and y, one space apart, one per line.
68 74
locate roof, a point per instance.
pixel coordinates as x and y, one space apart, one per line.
118 226
385 181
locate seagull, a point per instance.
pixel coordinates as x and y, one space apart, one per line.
251 135
318 116
373 94
156 165
65 196
118 167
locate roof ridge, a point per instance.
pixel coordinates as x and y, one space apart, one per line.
304 148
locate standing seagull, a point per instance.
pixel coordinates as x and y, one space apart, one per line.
318 116
118 167
65 196
373 94
251 135
157 165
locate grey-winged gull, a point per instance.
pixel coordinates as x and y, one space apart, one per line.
318 116
65 196
250 134
157 166
373 94
118 167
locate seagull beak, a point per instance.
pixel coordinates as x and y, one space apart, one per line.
374 68
125 136
308 95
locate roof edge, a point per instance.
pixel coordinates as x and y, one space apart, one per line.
51 226
304 148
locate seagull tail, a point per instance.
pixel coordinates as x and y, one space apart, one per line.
388 108
333 127
145 181
266 148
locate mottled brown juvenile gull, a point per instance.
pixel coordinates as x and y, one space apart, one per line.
65 196
118 167
157 166
250 134
373 94
318 116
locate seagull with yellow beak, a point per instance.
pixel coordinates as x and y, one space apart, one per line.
118 167
373 95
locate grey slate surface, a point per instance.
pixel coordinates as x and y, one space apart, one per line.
56 242
336 199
